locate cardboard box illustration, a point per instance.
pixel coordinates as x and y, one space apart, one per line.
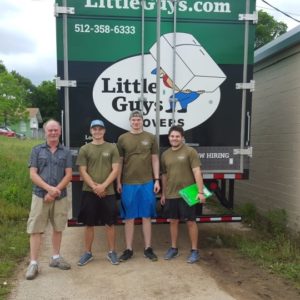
195 69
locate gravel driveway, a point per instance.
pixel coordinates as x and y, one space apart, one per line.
138 278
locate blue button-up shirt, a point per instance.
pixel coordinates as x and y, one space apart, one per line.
51 166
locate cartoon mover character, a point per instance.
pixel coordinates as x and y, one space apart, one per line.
195 71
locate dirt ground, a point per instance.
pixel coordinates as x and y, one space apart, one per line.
239 276
221 273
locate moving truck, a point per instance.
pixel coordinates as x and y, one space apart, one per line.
179 62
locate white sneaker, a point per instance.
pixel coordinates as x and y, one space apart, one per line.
32 271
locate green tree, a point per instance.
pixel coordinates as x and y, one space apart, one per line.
267 29
12 99
45 98
27 84
2 67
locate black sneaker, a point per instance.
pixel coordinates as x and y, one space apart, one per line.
126 255
150 254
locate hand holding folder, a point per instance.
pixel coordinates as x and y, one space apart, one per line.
190 193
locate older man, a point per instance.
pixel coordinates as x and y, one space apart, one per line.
50 171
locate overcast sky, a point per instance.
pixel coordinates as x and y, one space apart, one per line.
27 34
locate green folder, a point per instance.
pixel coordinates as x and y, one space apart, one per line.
189 194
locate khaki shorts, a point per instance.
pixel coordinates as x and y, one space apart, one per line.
41 212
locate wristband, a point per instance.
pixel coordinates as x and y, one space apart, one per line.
156 179
201 193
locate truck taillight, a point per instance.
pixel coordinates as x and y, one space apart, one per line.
213 186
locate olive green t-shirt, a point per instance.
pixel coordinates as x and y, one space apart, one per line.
177 165
137 151
98 160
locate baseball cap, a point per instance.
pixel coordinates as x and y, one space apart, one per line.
136 113
97 123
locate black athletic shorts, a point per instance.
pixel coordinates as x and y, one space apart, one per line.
179 209
97 211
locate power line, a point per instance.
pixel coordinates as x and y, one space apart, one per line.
289 16
271 9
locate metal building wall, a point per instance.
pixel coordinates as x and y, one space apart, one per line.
275 167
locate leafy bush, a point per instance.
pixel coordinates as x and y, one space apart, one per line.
276 221
249 213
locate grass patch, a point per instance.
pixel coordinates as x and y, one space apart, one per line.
15 199
278 254
270 244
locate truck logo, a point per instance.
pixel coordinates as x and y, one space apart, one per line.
191 90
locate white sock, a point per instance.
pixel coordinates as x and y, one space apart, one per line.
33 262
55 256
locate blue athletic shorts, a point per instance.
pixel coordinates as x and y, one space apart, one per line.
138 201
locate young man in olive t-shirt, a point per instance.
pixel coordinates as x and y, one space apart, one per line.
180 166
138 181
98 163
